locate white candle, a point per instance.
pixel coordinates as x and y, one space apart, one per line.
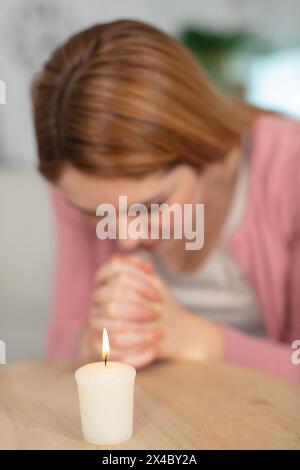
106 393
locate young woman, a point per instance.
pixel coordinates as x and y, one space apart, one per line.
124 109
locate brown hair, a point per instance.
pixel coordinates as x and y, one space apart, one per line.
124 98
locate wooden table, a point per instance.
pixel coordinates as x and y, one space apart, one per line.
177 406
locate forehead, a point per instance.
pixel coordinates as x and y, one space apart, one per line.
90 190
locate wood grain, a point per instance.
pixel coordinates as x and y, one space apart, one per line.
177 406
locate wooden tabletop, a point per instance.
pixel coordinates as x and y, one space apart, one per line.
177 406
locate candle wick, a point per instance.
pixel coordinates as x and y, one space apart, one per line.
105 360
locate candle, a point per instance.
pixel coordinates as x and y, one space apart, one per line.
106 392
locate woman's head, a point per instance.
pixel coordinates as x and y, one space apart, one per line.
123 100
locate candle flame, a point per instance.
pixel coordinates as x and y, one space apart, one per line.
105 345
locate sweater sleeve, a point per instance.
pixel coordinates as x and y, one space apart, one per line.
292 330
270 355
267 355
72 277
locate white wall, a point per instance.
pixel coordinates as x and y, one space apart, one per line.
26 263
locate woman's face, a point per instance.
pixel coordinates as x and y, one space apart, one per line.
180 185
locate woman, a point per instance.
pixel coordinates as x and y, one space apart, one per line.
124 109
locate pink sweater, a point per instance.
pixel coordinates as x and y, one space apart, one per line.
266 245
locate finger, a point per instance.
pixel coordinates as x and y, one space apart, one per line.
122 262
126 311
142 339
119 300
136 282
137 358
135 260
111 270
98 323
141 285
128 339
141 358
115 353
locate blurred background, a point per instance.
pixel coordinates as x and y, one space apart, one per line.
251 49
